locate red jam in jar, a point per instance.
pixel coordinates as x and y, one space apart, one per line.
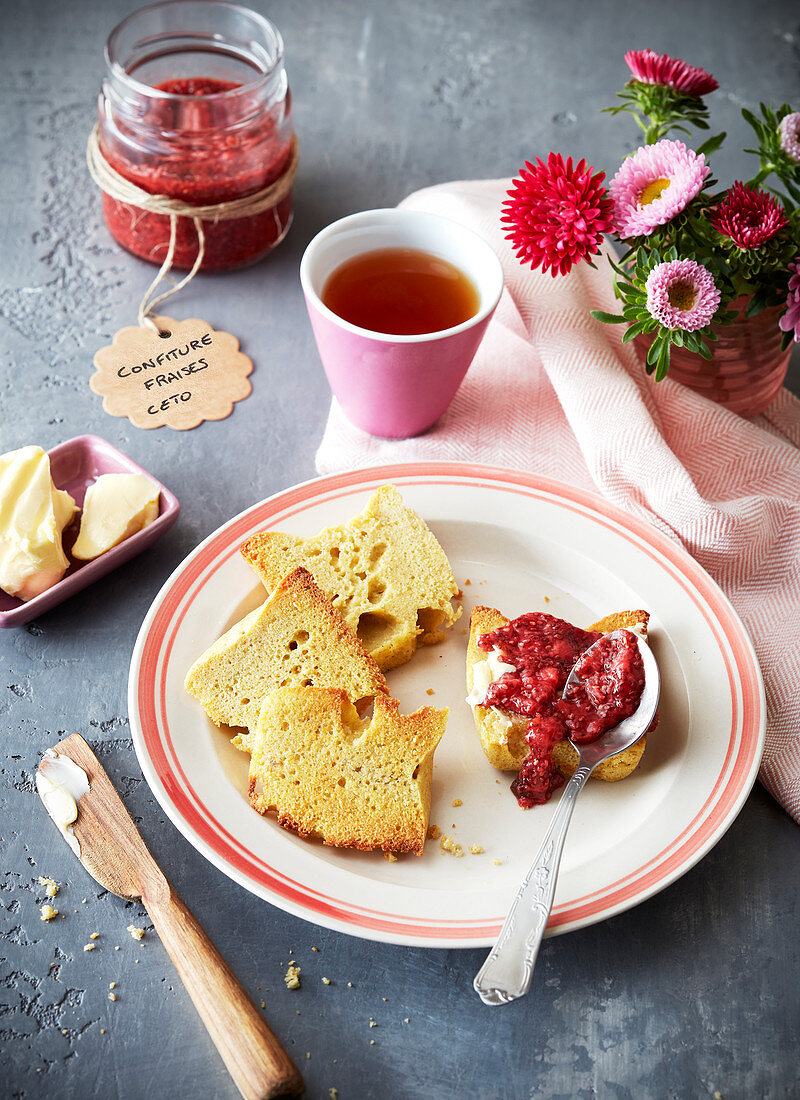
543 650
196 107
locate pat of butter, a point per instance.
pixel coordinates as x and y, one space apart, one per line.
33 515
61 784
484 674
116 507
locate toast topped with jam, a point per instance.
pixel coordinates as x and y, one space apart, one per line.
494 679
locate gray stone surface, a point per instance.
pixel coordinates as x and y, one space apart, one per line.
693 993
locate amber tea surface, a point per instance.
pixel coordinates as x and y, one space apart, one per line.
401 292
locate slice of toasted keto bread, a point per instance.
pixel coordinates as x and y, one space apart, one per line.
354 784
295 638
383 570
502 733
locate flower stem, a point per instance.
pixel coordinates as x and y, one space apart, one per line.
655 131
762 174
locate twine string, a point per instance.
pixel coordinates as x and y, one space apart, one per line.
148 302
123 190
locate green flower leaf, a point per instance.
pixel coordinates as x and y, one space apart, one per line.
607 318
662 367
710 145
633 332
654 350
627 289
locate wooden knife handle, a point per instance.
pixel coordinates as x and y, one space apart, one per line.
254 1056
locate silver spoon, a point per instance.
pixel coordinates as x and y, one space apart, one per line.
506 974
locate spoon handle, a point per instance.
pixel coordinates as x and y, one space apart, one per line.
506 974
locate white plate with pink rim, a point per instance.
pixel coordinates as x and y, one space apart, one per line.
519 543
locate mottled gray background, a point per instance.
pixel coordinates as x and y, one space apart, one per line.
691 994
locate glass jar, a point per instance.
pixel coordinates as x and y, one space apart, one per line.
747 368
196 106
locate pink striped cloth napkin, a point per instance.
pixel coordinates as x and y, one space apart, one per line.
553 392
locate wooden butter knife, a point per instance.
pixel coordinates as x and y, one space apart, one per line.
112 851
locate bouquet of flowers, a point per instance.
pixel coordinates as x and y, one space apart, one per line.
691 250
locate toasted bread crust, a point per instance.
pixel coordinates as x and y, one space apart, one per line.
295 637
502 733
326 774
383 570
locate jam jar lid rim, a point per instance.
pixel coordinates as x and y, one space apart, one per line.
116 69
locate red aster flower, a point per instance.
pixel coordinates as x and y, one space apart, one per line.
557 214
748 216
650 67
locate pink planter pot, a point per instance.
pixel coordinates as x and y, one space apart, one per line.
747 369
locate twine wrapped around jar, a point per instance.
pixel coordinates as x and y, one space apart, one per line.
123 190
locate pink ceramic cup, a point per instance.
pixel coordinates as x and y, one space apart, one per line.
397 386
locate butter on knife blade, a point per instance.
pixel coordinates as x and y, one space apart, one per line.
61 785
77 792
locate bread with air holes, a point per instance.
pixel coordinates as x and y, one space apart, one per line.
325 773
294 638
502 733
383 570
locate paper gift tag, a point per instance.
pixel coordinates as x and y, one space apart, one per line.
180 376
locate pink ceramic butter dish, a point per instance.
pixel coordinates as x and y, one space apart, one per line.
74 465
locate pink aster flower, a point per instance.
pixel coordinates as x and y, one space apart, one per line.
655 184
789 130
650 67
790 321
748 216
556 213
682 294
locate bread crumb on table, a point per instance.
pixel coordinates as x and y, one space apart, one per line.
476 849
448 845
326 981
50 886
390 857
112 996
48 912
137 933
456 802
434 832
89 946
430 691
333 1094
292 977
372 1022
497 862
94 935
